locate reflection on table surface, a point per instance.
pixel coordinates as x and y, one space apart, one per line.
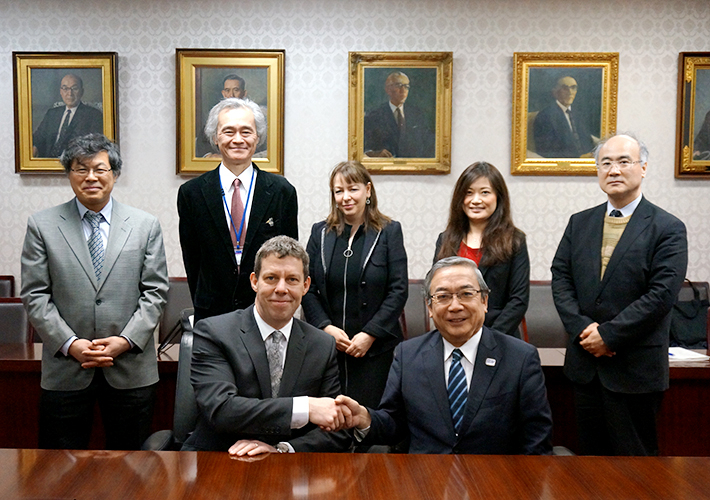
106 475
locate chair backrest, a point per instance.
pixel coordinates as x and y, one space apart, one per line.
544 326
178 299
14 324
7 286
186 411
690 316
415 317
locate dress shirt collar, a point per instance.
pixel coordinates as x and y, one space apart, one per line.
469 349
563 107
106 211
226 177
394 108
625 211
265 329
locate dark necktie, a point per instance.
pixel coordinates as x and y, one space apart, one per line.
615 213
401 125
96 244
575 135
57 149
237 211
458 393
273 354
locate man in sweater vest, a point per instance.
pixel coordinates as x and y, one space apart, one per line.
615 278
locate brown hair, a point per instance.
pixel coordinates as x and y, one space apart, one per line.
501 239
354 173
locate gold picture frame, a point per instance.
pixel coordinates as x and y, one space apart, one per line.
546 140
201 74
420 142
693 119
45 84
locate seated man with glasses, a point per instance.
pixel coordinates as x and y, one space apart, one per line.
462 388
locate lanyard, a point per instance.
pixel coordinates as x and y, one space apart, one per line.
244 214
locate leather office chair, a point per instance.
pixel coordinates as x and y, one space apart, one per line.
14 324
415 317
178 299
542 326
7 286
186 411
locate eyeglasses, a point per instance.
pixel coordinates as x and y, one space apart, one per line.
73 88
464 297
606 165
400 86
98 172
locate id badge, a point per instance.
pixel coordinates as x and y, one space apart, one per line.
238 255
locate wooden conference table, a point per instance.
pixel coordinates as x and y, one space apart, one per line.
684 420
64 474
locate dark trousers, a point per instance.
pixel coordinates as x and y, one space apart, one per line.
612 423
66 417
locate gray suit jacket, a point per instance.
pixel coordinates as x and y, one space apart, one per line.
63 297
230 375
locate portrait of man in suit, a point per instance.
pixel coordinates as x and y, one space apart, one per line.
461 388
94 283
228 213
265 381
398 128
615 278
701 116
62 123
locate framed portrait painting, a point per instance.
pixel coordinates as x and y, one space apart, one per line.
693 123
563 105
399 119
205 77
59 96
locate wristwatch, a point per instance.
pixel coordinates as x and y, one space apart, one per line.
282 447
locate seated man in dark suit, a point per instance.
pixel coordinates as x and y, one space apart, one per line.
461 388
264 380
393 131
560 131
62 124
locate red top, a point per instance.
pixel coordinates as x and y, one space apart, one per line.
474 254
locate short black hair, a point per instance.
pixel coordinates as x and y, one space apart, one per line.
88 146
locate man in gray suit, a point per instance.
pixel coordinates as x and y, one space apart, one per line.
94 282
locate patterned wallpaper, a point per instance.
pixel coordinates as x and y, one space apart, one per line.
317 35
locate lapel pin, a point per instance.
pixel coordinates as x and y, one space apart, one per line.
490 362
270 222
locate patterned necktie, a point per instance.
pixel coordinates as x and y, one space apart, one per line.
237 211
458 393
96 243
273 354
615 213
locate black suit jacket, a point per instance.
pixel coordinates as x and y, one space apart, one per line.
383 283
509 282
381 132
216 284
632 303
506 413
230 375
553 137
86 119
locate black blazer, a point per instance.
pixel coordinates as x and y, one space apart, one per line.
632 303
215 284
506 413
381 132
553 137
86 119
230 375
509 282
383 283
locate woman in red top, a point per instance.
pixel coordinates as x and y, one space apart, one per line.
481 228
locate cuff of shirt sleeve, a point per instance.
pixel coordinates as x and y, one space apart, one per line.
299 416
65 346
130 342
361 433
287 445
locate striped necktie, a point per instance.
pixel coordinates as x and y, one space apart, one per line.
458 392
96 244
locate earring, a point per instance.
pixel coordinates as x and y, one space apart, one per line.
367 201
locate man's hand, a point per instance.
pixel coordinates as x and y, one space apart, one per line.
250 448
100 353
342 342
593 343
380 153
360 344
355 414
325 413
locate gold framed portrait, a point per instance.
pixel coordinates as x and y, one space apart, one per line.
563 105
59 96
399 113
206 76
693 121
